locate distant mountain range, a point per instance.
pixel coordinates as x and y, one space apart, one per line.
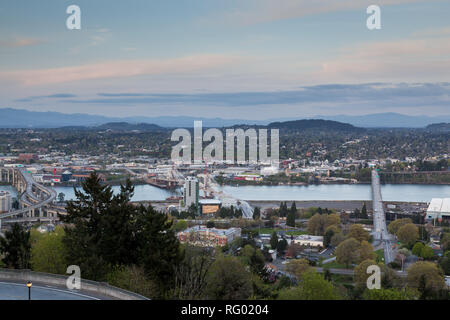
18 118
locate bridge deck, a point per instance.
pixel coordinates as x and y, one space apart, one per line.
379 220
30 183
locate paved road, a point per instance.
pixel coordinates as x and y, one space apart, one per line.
350 272
381 235
16 291
30 182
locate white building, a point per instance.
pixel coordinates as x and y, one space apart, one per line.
5 201
191 191
439 208
267 171
308 240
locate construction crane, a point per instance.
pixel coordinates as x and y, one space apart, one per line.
206 180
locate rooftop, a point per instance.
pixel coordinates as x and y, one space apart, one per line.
439 205
223 232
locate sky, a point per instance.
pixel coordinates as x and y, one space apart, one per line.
246 59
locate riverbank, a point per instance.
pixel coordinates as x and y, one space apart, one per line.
112 183
331 204
304 204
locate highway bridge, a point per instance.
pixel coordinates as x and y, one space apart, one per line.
381 235
213 189
35 200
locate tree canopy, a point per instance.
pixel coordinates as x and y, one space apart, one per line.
104 230
15 247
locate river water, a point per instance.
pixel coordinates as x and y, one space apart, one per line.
390 192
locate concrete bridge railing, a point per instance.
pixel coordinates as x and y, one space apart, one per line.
101 288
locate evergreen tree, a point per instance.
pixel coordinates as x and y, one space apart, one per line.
257 264
158 247
100 230
256 213
290 221
193 210
329 233
294 207
327 274
15 247
274 240
283 211
364 211
61 197
104 231
282 245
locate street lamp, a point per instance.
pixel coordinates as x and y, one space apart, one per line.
29 284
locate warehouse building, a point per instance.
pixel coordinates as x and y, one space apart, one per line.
308 240
439 208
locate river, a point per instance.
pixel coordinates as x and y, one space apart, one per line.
390 192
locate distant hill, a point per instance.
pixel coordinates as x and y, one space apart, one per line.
388 120
440 127
315 124
19 118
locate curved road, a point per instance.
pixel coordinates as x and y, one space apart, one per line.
30 182
19 291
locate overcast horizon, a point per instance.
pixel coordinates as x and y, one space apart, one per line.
243 59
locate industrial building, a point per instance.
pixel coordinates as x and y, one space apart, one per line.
5 201
439 208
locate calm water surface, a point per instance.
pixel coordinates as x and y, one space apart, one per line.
390 192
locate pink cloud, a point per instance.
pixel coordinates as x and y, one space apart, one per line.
121 69
19 42
406 60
